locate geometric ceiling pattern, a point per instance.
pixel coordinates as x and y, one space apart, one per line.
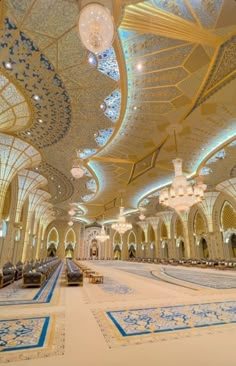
172 63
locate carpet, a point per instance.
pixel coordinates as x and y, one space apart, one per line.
32 337
135 326
14 294
211 280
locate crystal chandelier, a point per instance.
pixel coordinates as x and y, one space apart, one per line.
77 170
182 195
121 225
96 26
102 236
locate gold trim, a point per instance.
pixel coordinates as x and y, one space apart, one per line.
145 18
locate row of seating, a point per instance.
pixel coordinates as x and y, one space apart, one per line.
202 263
74 274
10 273
36 273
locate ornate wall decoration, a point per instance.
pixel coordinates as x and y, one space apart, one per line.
176 7
15 113
42 84
108 65
103 136
222 72
57 182
144 165
111 105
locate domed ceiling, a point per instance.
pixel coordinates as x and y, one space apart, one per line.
172 67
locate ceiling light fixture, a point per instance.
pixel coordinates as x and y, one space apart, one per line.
96 26
77 170
70 223
181 195
121 225
102 237
8 65
71 212
36 97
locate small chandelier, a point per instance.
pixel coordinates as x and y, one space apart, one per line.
77 170
71 212
96 26
102 236
142 216
182 195
121 225
70 223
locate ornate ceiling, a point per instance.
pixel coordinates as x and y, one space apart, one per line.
172 64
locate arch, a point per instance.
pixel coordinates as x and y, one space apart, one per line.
180 247
53 237
227 216
164 249
117 246
132 237
229 237
70 237
51 250
163 231
132 244
151 234
178 227
199 223
69 250
203 246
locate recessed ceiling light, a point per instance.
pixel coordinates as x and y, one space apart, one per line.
36 97
28 133
40 120
8 65
139 66
134 108
36 168
59 186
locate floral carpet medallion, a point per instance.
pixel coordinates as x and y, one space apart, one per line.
32 337
18 334
134 326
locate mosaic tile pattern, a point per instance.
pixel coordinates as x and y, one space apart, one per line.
19 334
172 318
107 64
37 77
112 105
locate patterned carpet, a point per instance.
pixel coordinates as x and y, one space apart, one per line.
18 334
135 326
14 294
115 287
42 336
212 280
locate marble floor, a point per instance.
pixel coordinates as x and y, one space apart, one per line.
142 314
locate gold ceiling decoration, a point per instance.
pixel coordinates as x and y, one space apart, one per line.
186 64
146 18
